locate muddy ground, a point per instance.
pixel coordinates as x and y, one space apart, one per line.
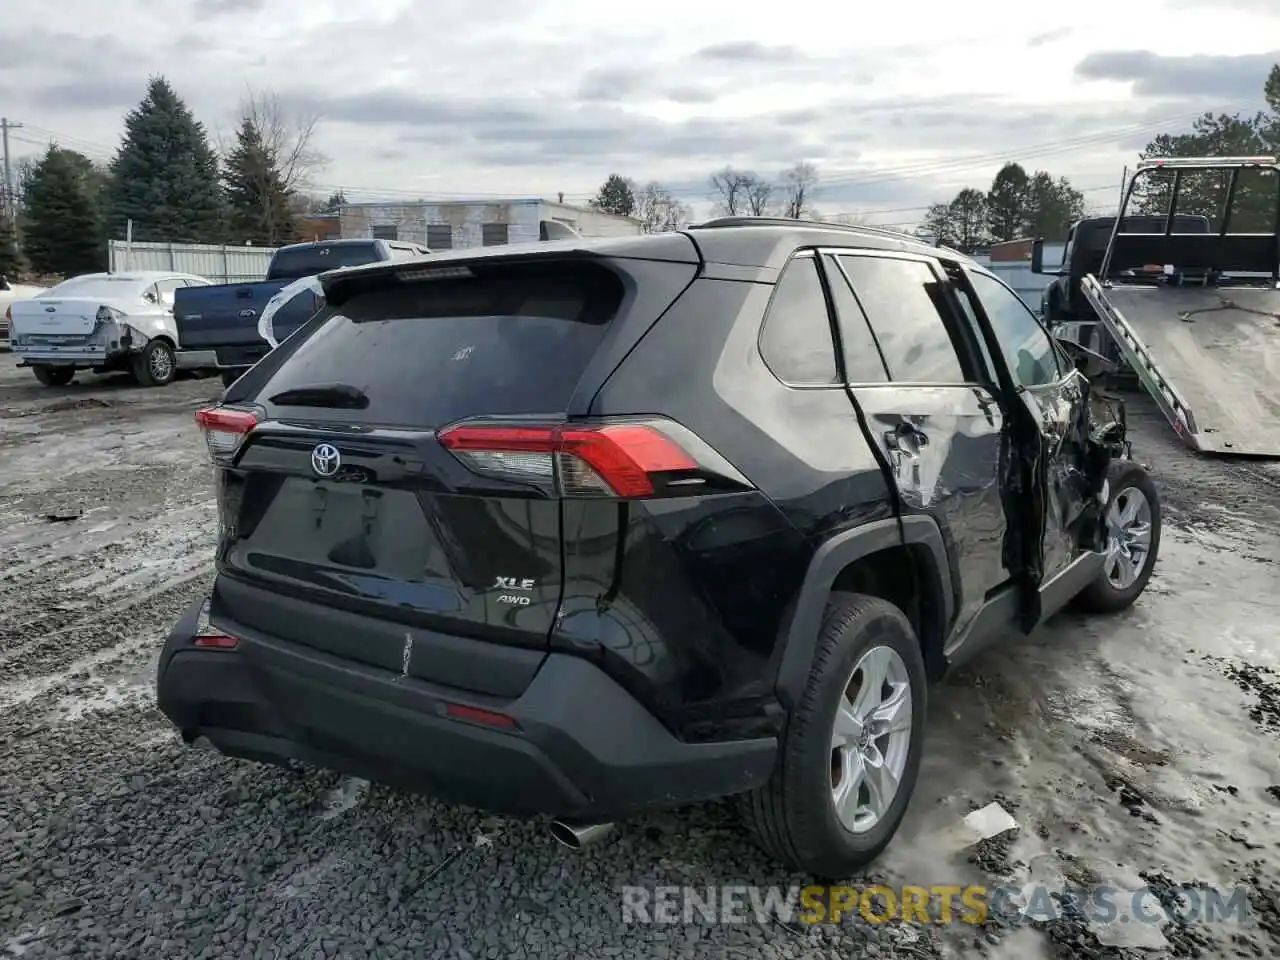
1137 751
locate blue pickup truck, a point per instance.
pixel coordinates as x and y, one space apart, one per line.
218 325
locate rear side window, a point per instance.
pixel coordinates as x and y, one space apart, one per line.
513 340
904 303
309 261
796 340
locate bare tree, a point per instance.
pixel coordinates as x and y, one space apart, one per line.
798 185
657 210
731 186
288 137
758 192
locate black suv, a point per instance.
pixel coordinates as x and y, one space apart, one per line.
590 527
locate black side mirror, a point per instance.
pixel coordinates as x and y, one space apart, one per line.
1037 255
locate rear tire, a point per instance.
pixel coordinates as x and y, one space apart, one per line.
156 365
1132 516
796 817
54 376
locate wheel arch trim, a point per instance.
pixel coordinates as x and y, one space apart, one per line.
800 634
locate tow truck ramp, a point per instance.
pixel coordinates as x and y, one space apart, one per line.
1209 357
1196 316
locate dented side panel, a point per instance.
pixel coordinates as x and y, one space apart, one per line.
947 454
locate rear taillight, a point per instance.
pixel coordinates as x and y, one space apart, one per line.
488 718
215 641
602 460
224 430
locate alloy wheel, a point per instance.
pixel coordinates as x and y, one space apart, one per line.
1128 537
870 739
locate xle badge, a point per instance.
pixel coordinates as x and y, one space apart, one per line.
406 655
509 584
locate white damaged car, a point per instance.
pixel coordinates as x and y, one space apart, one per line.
9 292
101 322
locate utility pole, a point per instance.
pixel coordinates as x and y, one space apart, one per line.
5 126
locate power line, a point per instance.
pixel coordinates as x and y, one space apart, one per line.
1049 148
925 206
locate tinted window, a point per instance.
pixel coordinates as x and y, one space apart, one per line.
493 234
796 341
514 341
309 261
862 363
1027 349
902 300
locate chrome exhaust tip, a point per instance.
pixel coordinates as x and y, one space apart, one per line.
575 836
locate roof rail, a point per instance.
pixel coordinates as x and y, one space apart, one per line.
740 221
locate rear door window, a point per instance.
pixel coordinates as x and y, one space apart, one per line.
904 302
862 360
513 340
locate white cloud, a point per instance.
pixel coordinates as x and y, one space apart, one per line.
531 97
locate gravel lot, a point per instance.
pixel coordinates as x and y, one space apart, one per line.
1143 749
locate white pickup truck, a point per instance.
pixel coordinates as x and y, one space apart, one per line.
101 322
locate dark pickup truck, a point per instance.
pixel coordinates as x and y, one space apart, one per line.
218 325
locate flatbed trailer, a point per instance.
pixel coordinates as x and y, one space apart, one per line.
1210 358
1196 316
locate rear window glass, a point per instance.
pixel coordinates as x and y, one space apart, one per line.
309 261
428 352
98 286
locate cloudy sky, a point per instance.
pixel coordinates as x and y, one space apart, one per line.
896 104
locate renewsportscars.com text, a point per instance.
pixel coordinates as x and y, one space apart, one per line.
938 904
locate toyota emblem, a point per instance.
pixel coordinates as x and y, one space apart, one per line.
325 460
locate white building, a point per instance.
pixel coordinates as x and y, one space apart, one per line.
476 223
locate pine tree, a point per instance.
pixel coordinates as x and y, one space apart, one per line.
61 218
165 176
616 196
1052 206
260 207
1007 203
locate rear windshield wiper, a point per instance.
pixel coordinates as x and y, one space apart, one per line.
336 395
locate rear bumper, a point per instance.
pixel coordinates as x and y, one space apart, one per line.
79 357
196 359
234 357
583 747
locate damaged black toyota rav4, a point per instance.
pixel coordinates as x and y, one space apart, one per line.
592 527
